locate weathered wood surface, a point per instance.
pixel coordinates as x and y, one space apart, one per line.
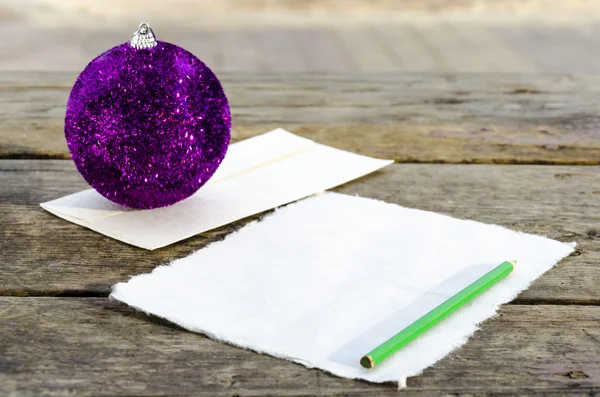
45 255
90 346
546 342
409 118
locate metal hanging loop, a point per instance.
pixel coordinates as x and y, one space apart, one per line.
143 37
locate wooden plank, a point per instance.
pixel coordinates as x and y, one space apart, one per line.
35 48
44 255
202 43
367 50
408 118
404 44
556 49
276 42
239 51
495 55
79 346
324 52
451 52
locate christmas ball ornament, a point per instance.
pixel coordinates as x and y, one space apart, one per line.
147 123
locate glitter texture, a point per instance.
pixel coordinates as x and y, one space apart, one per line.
147 127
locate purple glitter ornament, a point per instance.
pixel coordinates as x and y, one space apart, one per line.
147 123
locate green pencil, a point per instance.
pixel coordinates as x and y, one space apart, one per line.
401 339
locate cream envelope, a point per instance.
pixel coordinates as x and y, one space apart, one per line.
257 174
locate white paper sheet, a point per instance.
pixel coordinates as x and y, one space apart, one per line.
323 281
257 174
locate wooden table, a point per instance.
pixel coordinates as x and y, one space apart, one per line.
519 151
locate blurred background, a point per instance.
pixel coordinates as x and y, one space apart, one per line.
524 36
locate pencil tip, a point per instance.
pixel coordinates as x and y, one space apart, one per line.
367 362
514 262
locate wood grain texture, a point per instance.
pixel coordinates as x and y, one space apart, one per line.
545 343
46 255
554 48
91 346
408 118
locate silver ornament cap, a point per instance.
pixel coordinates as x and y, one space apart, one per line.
143 37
